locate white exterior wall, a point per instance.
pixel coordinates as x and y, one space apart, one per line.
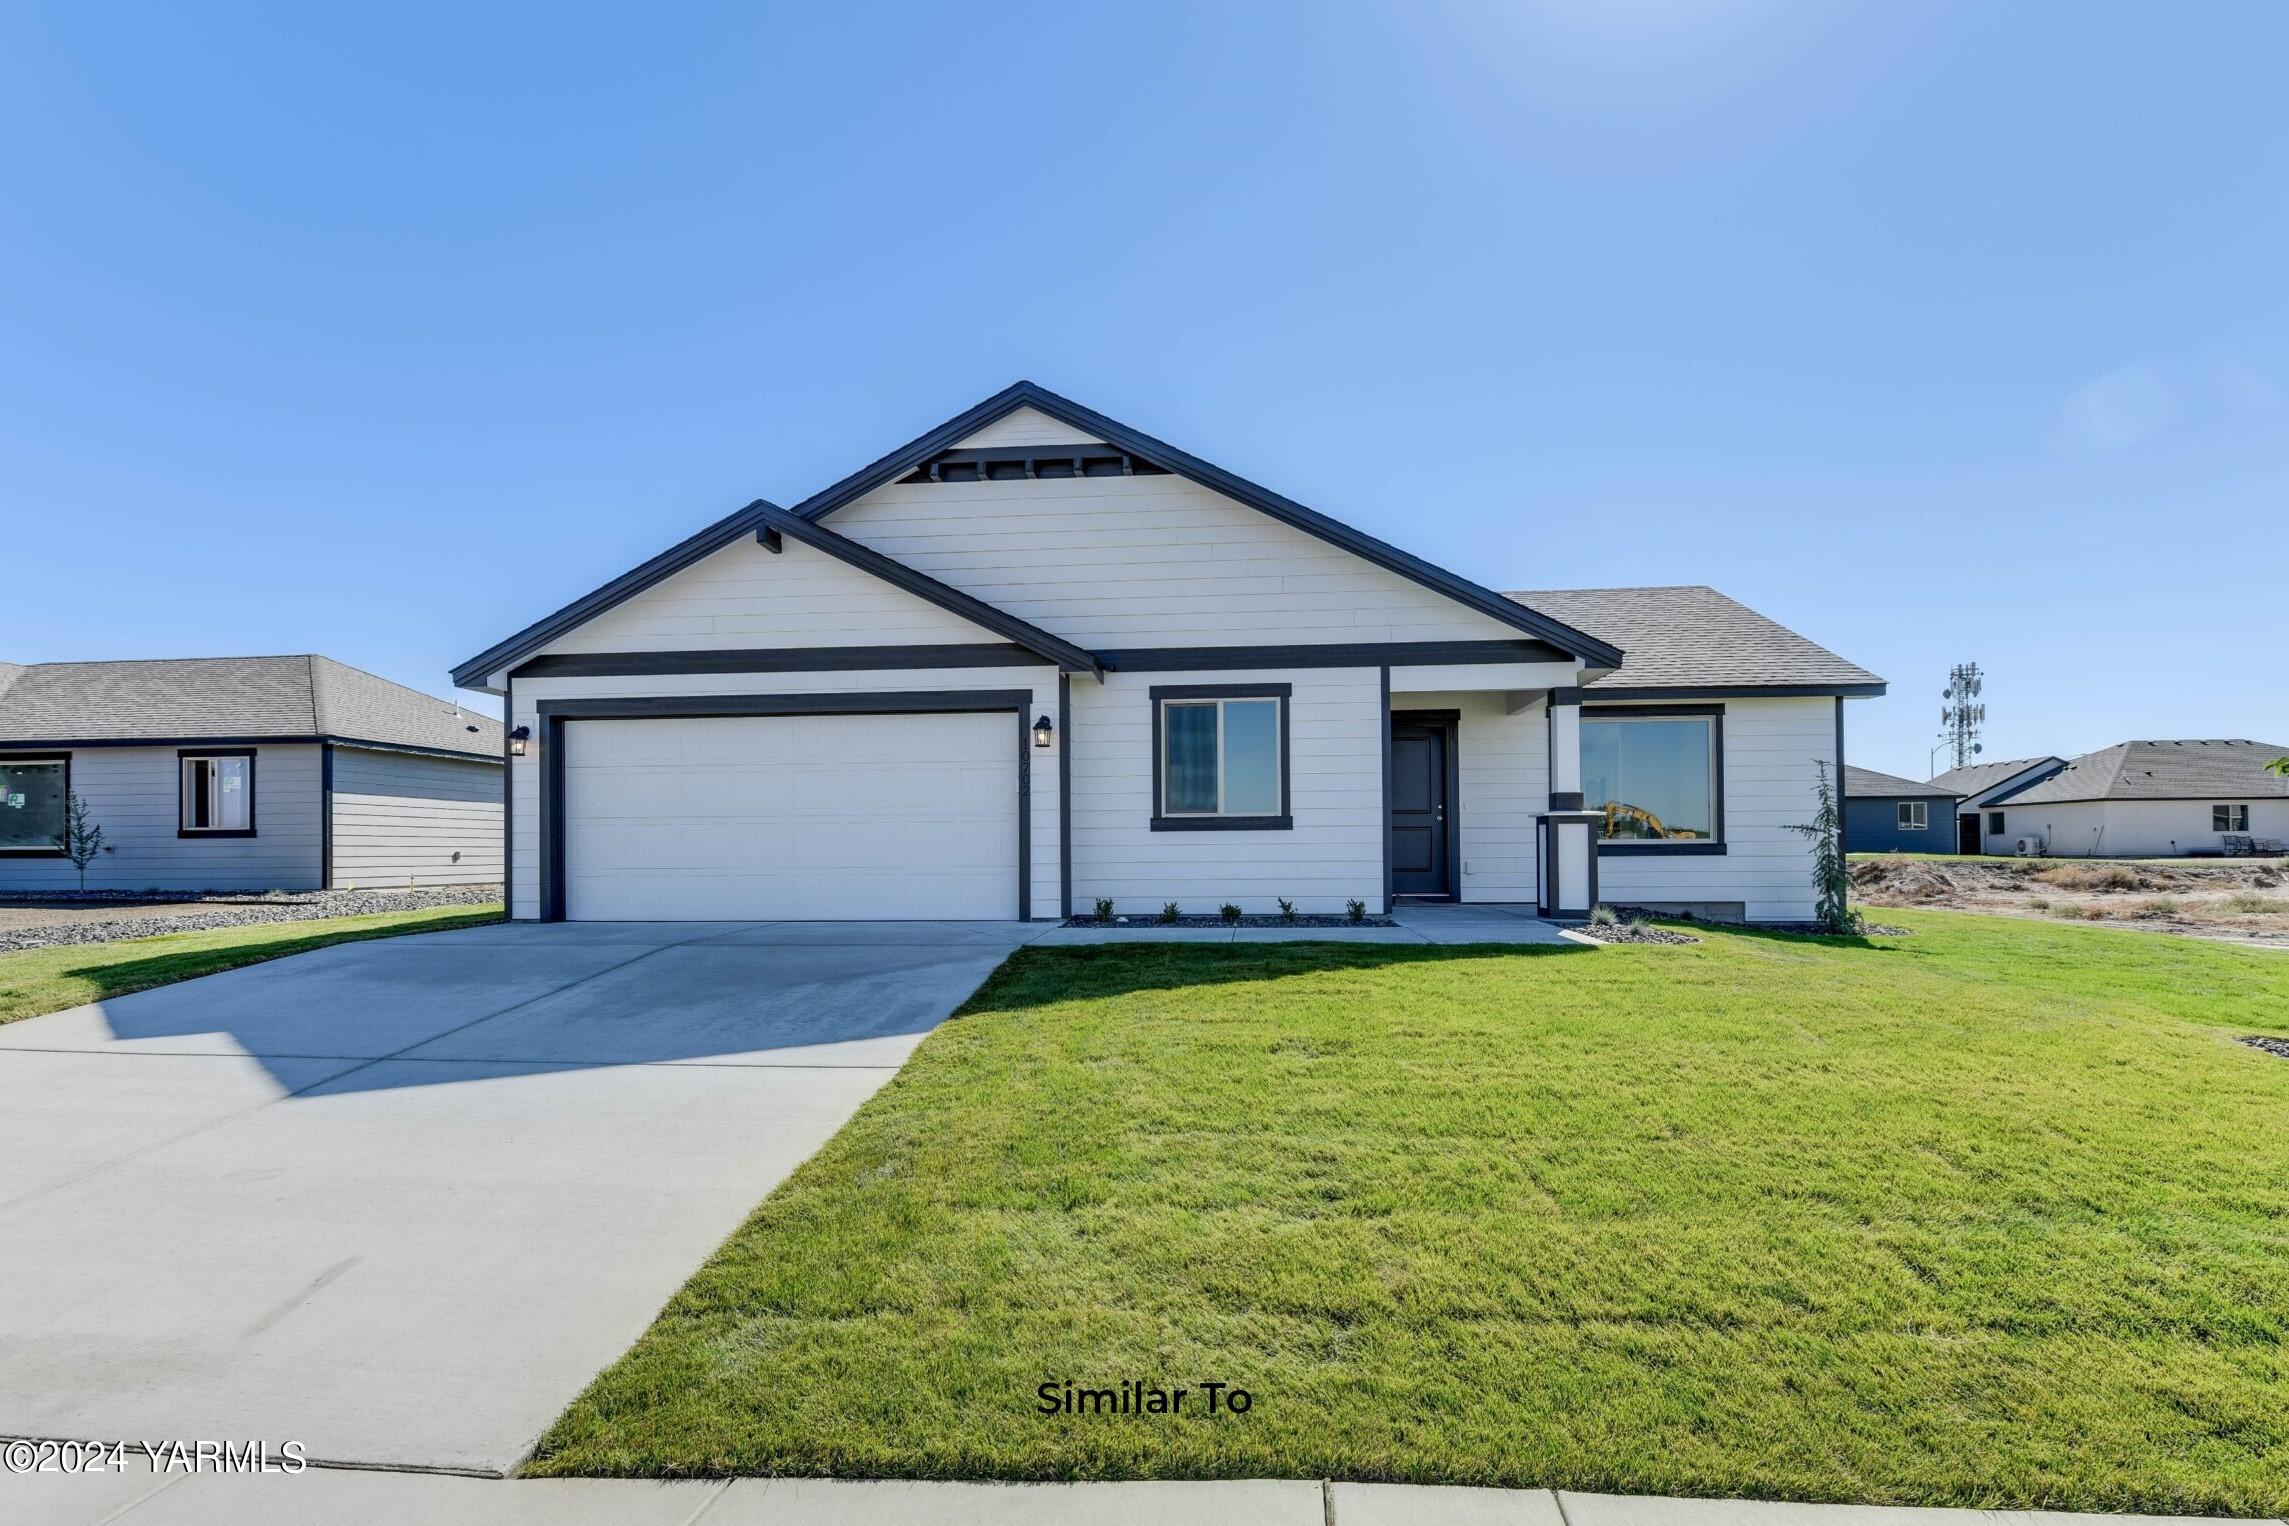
1503 776
1152 561
1771 747
2132 828
1040 682
133 794
1026 426
402 818
1333 853
745 596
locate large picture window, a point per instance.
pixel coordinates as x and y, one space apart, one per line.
33 794
1220 757
1915 815
217 794
1655 773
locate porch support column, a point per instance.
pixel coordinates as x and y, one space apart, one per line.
1566 835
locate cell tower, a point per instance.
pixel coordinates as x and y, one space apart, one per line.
1960 718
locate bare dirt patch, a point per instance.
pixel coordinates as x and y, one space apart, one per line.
2246 900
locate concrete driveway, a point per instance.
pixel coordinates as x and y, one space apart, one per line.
400 1200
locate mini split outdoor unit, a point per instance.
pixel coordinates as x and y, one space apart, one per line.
2028 847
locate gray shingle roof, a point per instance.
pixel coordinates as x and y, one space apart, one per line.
1972 778
1863 783
227 698
2190 770
1695 638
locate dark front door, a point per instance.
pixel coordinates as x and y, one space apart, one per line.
1967 833
1422 861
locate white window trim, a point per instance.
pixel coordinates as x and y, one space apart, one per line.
1915 816
183 762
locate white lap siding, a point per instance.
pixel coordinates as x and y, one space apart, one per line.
405 819
1039 683
1502 766
132 793
2134 828
1772 750
1333 853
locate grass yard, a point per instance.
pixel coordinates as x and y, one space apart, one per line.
1997 1214
33 981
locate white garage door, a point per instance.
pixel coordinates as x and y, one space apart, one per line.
815 817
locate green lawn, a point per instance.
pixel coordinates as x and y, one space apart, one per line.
1997 1214
33 981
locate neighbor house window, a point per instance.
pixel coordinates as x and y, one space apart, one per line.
1994 823
1654 773
33 793
2229 818
1220 756
217 794
1915 815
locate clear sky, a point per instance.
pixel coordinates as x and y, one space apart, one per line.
1938 332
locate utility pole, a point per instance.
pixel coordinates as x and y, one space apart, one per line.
1960 718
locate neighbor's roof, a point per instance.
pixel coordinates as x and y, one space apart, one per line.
2191 770
219 699
1974 778
1861 783
1696 638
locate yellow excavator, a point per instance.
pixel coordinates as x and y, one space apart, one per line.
1616 812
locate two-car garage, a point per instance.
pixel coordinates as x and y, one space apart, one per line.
892 814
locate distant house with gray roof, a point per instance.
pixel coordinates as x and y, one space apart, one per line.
1884 813
1980 788
2161 799
244 773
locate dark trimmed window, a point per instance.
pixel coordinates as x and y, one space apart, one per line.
34 792
2229 818
216 794
1994 823
1915 815
1656 772
1220 757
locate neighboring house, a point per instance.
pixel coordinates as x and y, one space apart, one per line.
244 773
1884 813
1034 658
1979 787
2151 800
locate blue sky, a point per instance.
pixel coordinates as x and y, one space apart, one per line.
1938 332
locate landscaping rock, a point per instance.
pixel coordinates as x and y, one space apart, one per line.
53 919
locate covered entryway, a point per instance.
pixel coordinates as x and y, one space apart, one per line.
809 817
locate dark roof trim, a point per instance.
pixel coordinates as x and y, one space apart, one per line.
1599 692
1026 394
1033 638
779 659
298 739
1332 654
622 588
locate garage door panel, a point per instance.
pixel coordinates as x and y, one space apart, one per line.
791 817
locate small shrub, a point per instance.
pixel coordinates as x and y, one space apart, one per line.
1634 926
1104 908
2250 904
1228 912
1355 909
1602 916
1287 910
2103 878
2038 903
1169 911
2160 906
2093 913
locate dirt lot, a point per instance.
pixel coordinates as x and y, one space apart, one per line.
2246 900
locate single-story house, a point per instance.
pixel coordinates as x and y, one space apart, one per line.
1034 658
2152 800
244 773
1979 787
1884 813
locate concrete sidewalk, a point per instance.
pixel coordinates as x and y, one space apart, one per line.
348 1498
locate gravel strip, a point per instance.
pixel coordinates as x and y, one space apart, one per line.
2270 1046
1633 932
1265 919
230 909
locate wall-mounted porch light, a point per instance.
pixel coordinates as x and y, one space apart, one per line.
519 739
1042 730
